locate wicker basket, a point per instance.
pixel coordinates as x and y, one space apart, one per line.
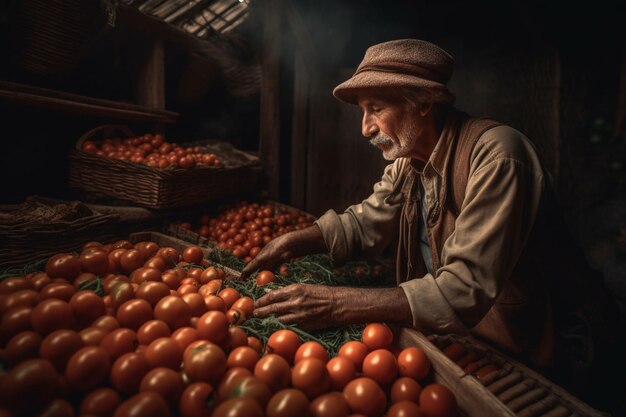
156 188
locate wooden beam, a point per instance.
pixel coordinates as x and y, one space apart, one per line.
269 140
151 79
299 132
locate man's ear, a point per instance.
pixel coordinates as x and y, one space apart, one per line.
425 107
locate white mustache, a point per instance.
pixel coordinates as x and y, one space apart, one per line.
381 139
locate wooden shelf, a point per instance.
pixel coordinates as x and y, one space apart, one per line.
73 103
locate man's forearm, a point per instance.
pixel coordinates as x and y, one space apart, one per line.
306 241
362 305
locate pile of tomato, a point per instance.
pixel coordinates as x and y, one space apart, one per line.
246 227
133 330
151 150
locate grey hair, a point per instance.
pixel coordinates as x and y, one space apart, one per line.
419 96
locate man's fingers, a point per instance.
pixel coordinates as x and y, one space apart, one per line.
272 297
278 309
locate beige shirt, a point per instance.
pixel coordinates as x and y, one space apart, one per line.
502 198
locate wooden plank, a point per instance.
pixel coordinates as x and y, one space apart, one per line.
151 80
269 141
473 399
73 103
299 132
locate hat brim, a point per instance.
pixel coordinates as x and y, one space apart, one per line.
350 90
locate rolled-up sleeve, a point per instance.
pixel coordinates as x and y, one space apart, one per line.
365 229
502 198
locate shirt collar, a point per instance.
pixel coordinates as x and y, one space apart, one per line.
440 156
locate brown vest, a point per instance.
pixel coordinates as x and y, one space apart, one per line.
520 321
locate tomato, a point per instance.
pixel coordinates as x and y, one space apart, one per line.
33 376
13 284
95 261
273 370
123 244
213 326
311 349
245 304
144 404
243 356
57 408
152 291
63 265
144 274
197 400
341 370
184 336
170 255
127 372
255 343
134 313
101 402
196 303
329 405
59 346
22 346
84 279
377 336
40 280
111 280
93 336
484 371
107 322
437 400
29 298
365 396
152 330
204 361
413 362
236 338
471 368
454 351
212 288
193 255
285 343
174 311
405 409
119 342
131 260
14 321
467 359
247 386
50 315
88 367
215 303
288 402
235 316
239 407
147 249
87 306
156 262
121 292
165 382
229 295
311 376
284 270
381 366
58 290
164 352
405 389
209 274
355 351
265 277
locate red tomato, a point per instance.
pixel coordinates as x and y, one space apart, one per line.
414 363
381 366
437 400
341 370
213 326
454 351
92 336
40 280
311 376
255 343
95 261
119 342
214 303
265 277
152 291
229 295
204 362
239 407
467 359
134 313
229 381
405 409
288 402
355 351
100 402
311 349
121 292
196 400
88 367
184 336
365 396
152 330
164 352
50 315
165 382
285 343
405 389
209 274
63 265
144 404
248 387
147 249
29 298
193 255
14 284
196 303
22 346
59 346
484 371
329 405
58 290
31 376
235 316
87 306
127 372
245 304
14 321
377 336
144 274
109 323
174 311
273 370
244 357
131 260
156 262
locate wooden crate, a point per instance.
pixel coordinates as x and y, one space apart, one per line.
512 390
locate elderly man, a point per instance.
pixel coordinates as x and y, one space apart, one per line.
465 199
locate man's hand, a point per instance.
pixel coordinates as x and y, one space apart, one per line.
319 306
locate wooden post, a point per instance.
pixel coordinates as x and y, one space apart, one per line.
151 80
269 140
299 132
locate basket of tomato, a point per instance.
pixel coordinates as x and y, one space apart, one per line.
152 172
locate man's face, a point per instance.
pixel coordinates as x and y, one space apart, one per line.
392 124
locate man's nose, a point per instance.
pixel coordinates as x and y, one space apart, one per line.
368 129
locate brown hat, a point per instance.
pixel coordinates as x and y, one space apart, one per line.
401 63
